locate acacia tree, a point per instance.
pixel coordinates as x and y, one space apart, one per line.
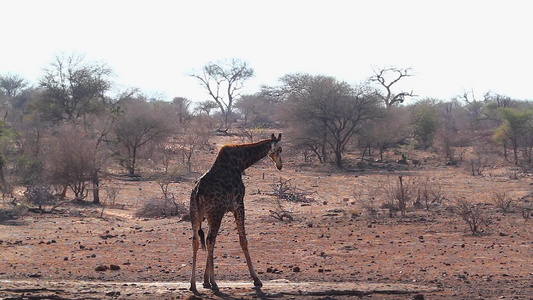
205 107
223 81
181 106
515 126
330 112
72 88
12 84
386 78
425 122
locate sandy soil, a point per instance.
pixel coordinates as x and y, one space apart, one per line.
330 250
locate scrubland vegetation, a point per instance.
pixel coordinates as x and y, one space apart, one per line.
74 139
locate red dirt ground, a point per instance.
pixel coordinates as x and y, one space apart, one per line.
331 242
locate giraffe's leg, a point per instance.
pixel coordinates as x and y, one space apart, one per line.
239 220
209 275
196 224
195 246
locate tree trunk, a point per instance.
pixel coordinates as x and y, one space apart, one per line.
96 188
63 193
338 158
133 161
505 150
339 147
5 189
515 151
324 152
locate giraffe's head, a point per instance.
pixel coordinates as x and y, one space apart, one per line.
275 151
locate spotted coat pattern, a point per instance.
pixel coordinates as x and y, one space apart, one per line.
221 190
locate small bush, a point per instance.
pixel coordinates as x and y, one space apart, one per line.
367 204
526 212
397 195
284 190
525 206
162 208
111 196
40 196
14 212
282 214
501 201
472 214
429 193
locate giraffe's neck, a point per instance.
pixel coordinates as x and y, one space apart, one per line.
241 157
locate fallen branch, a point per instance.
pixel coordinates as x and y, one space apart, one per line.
282 215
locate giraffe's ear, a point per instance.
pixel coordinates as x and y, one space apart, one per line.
273 137
279 136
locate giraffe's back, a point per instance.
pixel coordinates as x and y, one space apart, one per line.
219 190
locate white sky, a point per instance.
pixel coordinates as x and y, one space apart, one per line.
452 46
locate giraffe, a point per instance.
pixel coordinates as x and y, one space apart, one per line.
221 190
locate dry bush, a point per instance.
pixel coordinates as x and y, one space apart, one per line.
397 194
167 205
284 190
368 204
502 201
111 195
429 192
162 208
280 213
473 214
526 212
40 196
478 165
13 212
525 206
251 135
481 158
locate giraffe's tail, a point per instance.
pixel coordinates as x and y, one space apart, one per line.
202 238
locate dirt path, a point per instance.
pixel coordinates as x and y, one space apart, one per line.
179 290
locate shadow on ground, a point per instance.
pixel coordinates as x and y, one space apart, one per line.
179 290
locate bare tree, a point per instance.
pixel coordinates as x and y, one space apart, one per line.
500 100
389 129
140 124
196 137
257 109
386 78
223 81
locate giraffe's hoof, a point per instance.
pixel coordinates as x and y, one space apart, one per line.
207 285
193 289
214 288
258 283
